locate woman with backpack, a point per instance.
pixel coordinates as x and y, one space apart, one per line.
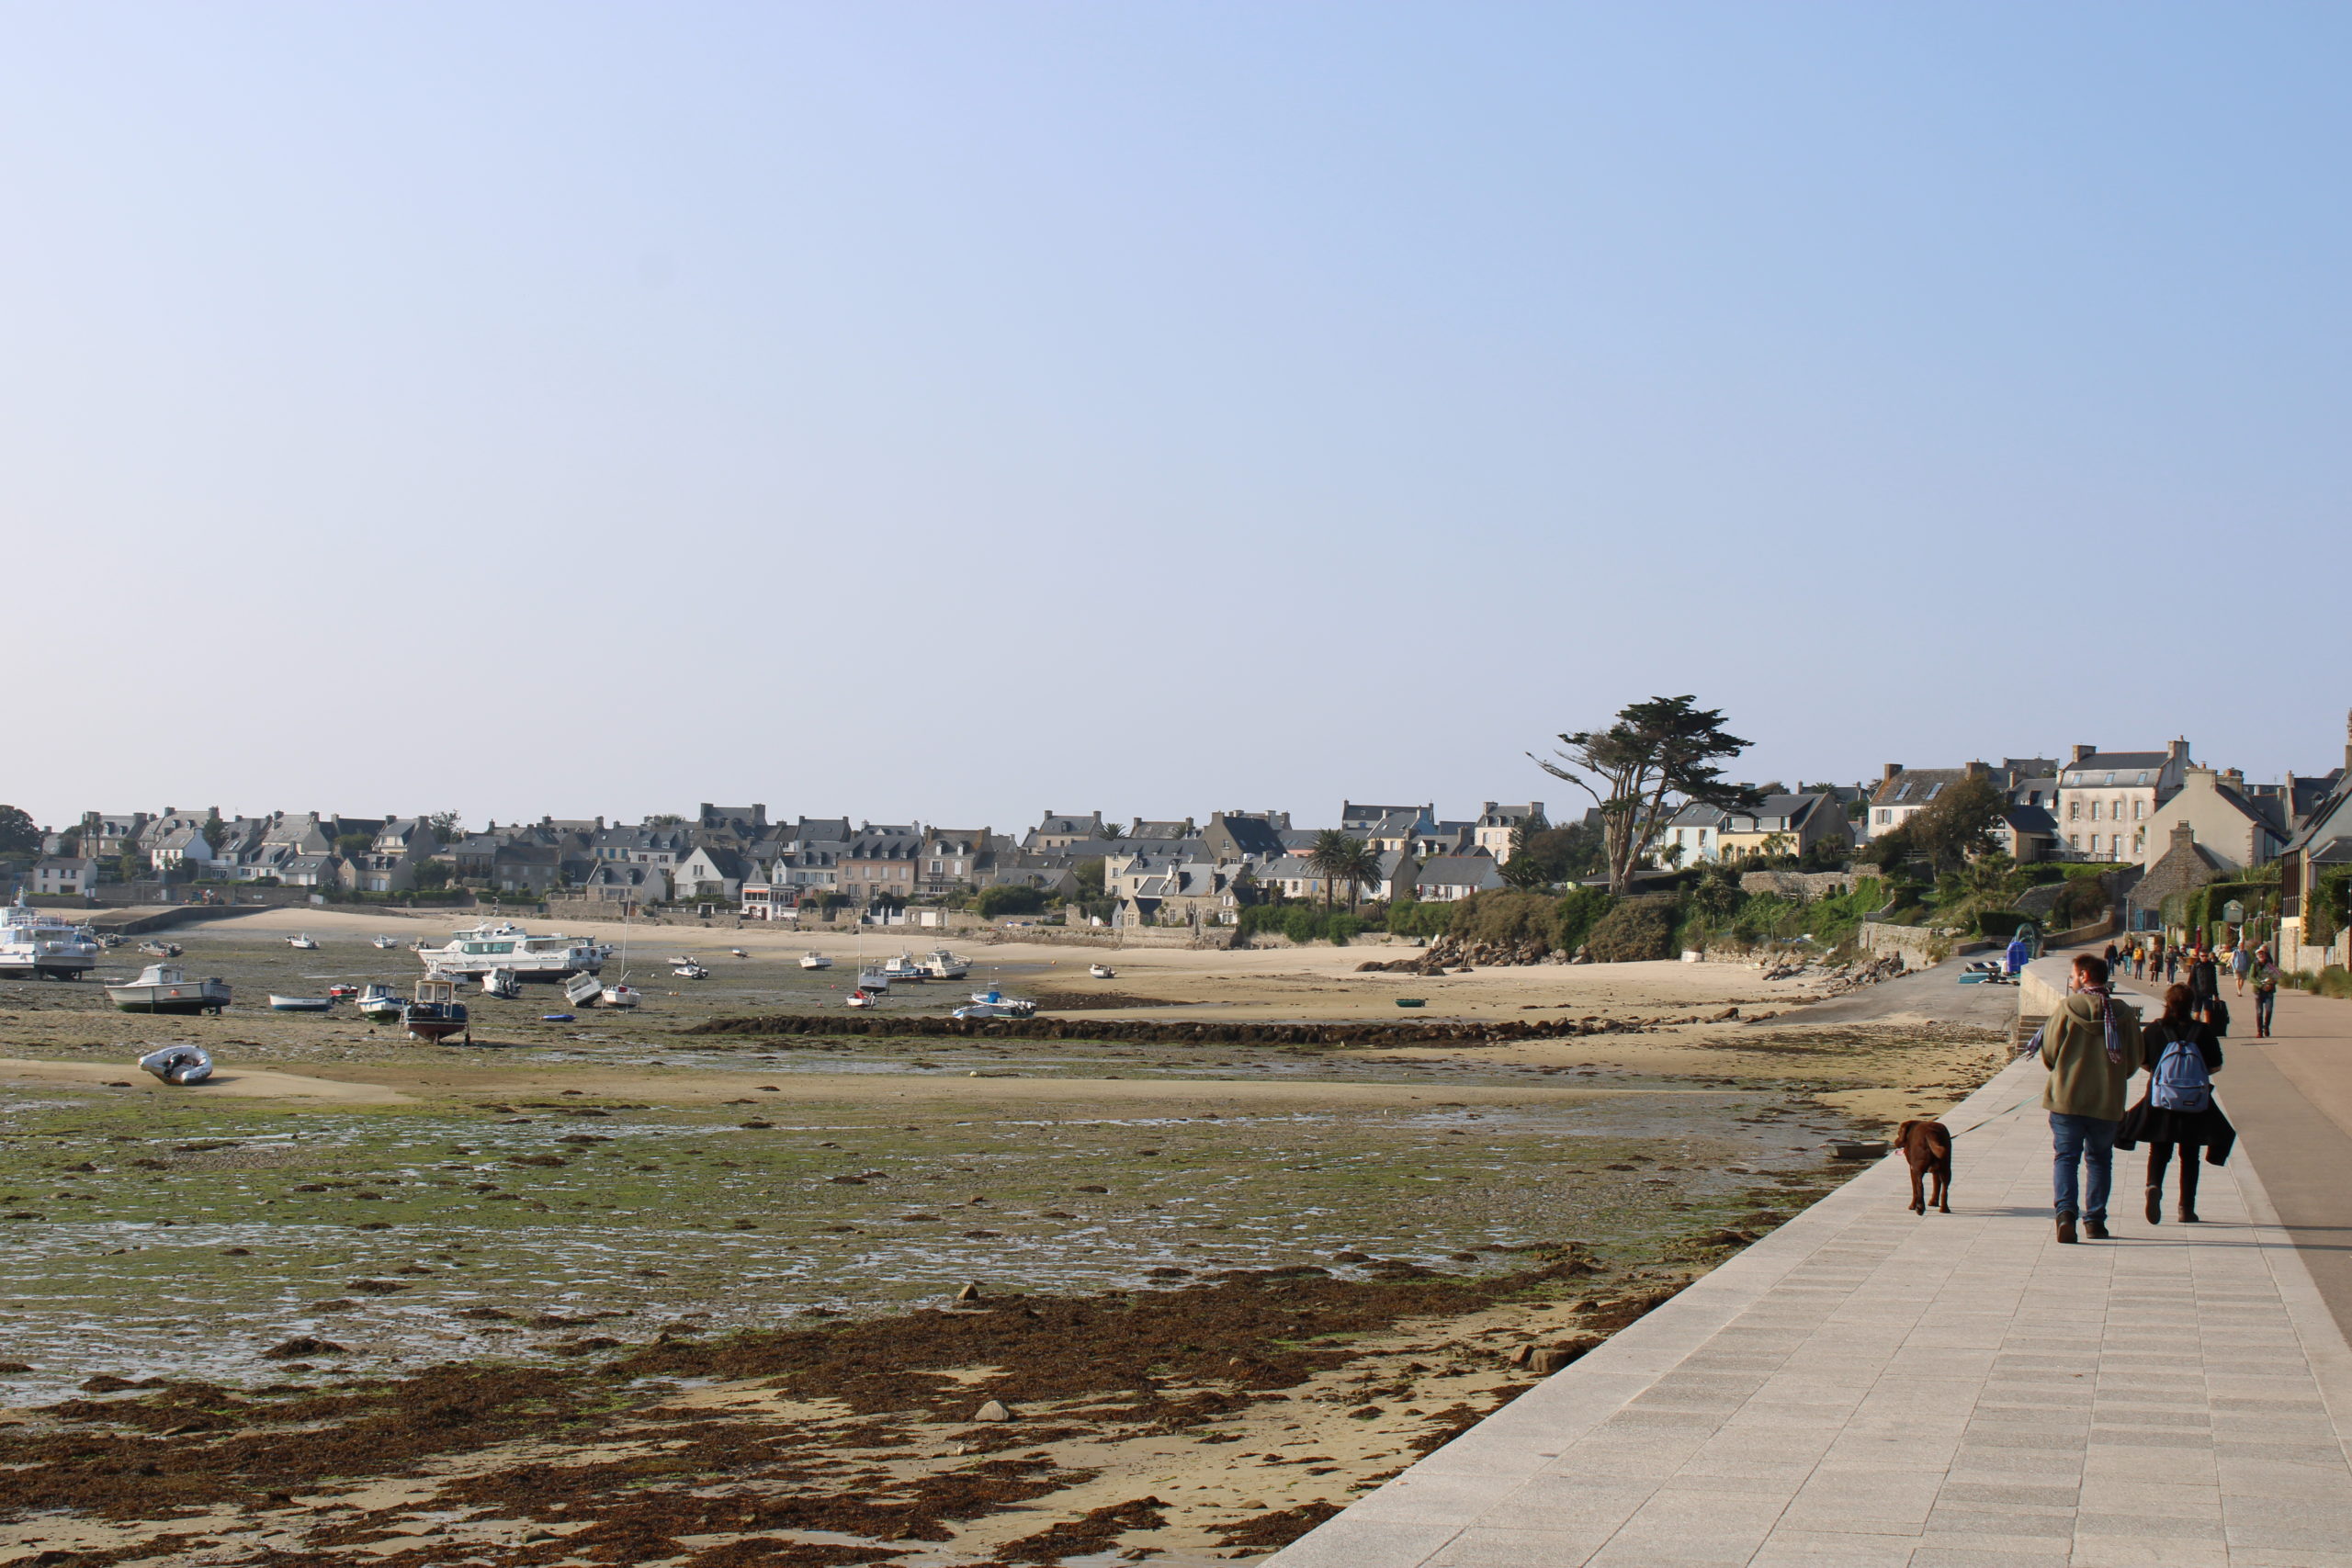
2178 1112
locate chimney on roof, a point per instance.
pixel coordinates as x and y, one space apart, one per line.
2183 835
1977 771
2347 741
2177 750
2235 778
2077 753
1887 777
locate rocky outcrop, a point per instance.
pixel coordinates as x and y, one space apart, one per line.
1149 1033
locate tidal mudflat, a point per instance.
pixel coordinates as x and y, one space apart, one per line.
617 1295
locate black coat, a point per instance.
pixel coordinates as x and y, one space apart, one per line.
2149 1123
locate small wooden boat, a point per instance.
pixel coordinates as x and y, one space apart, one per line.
862 998
555 1018
302 942
165 988
1412 1001
737 952
621 994
301 1004
384 941
379 1003
812 959
436 1013
342 993
1102 971
690 970
161 948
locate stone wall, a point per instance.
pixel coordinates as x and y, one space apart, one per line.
1806 884
1917 946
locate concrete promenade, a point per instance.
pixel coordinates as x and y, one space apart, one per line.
1865 1387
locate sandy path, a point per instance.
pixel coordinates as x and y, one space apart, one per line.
237 1083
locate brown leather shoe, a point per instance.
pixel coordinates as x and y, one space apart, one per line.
2095 1229
2188 1216
2066 1229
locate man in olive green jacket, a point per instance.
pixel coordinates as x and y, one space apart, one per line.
2091 1046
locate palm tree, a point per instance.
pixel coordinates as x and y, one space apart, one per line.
1337 858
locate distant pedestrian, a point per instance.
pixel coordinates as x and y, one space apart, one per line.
2242 964
2091 1046
2178 1111
2265 993
2172 964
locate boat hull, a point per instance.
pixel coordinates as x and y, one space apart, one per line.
46 968
194 999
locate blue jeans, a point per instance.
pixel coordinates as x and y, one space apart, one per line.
2080 1140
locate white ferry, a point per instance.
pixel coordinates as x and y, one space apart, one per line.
35 944
474 953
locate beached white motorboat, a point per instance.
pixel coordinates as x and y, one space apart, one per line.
165 987
583 990
502 984
1102 971
436 1013
301 1004
904 967
690 970
862 998
36 944
812 959
384 942
998 1006
379 1003
945 965
161 949
178 1064
737 952
471 953
301 941
620 994
872 980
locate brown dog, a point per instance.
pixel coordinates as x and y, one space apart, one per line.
1928 1145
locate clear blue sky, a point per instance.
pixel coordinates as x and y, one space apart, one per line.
957 410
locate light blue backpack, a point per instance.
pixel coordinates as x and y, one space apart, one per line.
2180 1080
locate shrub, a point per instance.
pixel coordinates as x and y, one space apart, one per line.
2333 981
1579 910
1009 900
1302 922
1634 930
1507 916
1410 916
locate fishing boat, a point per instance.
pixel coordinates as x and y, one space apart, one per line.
384 943
1102 971
690 970
812 959
300 942
862 998
621 994
36 944
178 1064
342 993
379 1003
471 953
583 990
872 980
301 1004
904 967
165 987
436 1013
502 984
161 949
945 965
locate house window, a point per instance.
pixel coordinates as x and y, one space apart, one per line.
2074 811
2074 841
2139 809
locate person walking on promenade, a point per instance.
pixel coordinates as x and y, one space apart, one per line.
2265 993
2091 1046
2177 1112
2204 976
2241 964
2172 964
2138 960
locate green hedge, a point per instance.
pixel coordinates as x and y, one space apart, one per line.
1634 930
1302 922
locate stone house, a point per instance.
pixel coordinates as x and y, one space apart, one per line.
183 850
1193 893
105 835
880 864
626 886
1244 837
2183 867
2105 798
1498 825
952 860
2235 826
